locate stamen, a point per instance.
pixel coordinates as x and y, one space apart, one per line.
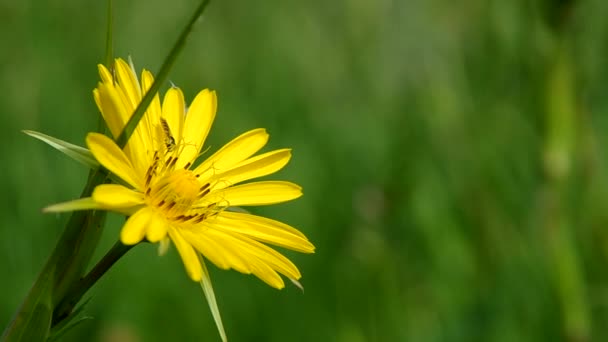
148 176
171 205
152 169
175 192
200 219
172 164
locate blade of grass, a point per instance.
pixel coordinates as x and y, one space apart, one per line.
66 302
161 77
77 243
109 40
109 57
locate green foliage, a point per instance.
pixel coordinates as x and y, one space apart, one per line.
451 155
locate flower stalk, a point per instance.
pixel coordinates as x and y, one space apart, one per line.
60 285
65 307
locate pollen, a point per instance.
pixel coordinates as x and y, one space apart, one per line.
175 192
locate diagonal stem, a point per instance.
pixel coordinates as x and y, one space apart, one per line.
162 75
65 307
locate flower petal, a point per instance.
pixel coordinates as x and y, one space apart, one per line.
188 254
157 228
104 73
234 152
222 255
174 109
117 196
112 158
259 193
197 125
145 222
263 260
267 255
128 82
111 107
152 115
117 97
241 253
257 166
263 229
134 229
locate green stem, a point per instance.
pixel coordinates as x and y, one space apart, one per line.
560 152
65 307
50 298
66 264
109 41
161 77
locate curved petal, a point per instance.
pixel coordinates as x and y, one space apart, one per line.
188 255
173 110
104 74
117 196
259 193
157 228
197 125
111 108
153 114
242 253
222 255
112 158
263 261
258 166
234 152
134 229
264 230
128 82
267 255
117 97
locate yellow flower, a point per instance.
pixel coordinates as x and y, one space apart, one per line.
170 199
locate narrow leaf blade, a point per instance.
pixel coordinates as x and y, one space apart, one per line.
210 295
80 154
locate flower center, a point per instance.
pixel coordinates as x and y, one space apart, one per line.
175 192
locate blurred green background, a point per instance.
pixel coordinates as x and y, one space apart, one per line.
451 155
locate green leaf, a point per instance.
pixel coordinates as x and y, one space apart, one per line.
210 295
68 327
43 307
163 74
80 154
86 203
68 323
33 319
109 37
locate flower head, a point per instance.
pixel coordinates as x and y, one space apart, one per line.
170 199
